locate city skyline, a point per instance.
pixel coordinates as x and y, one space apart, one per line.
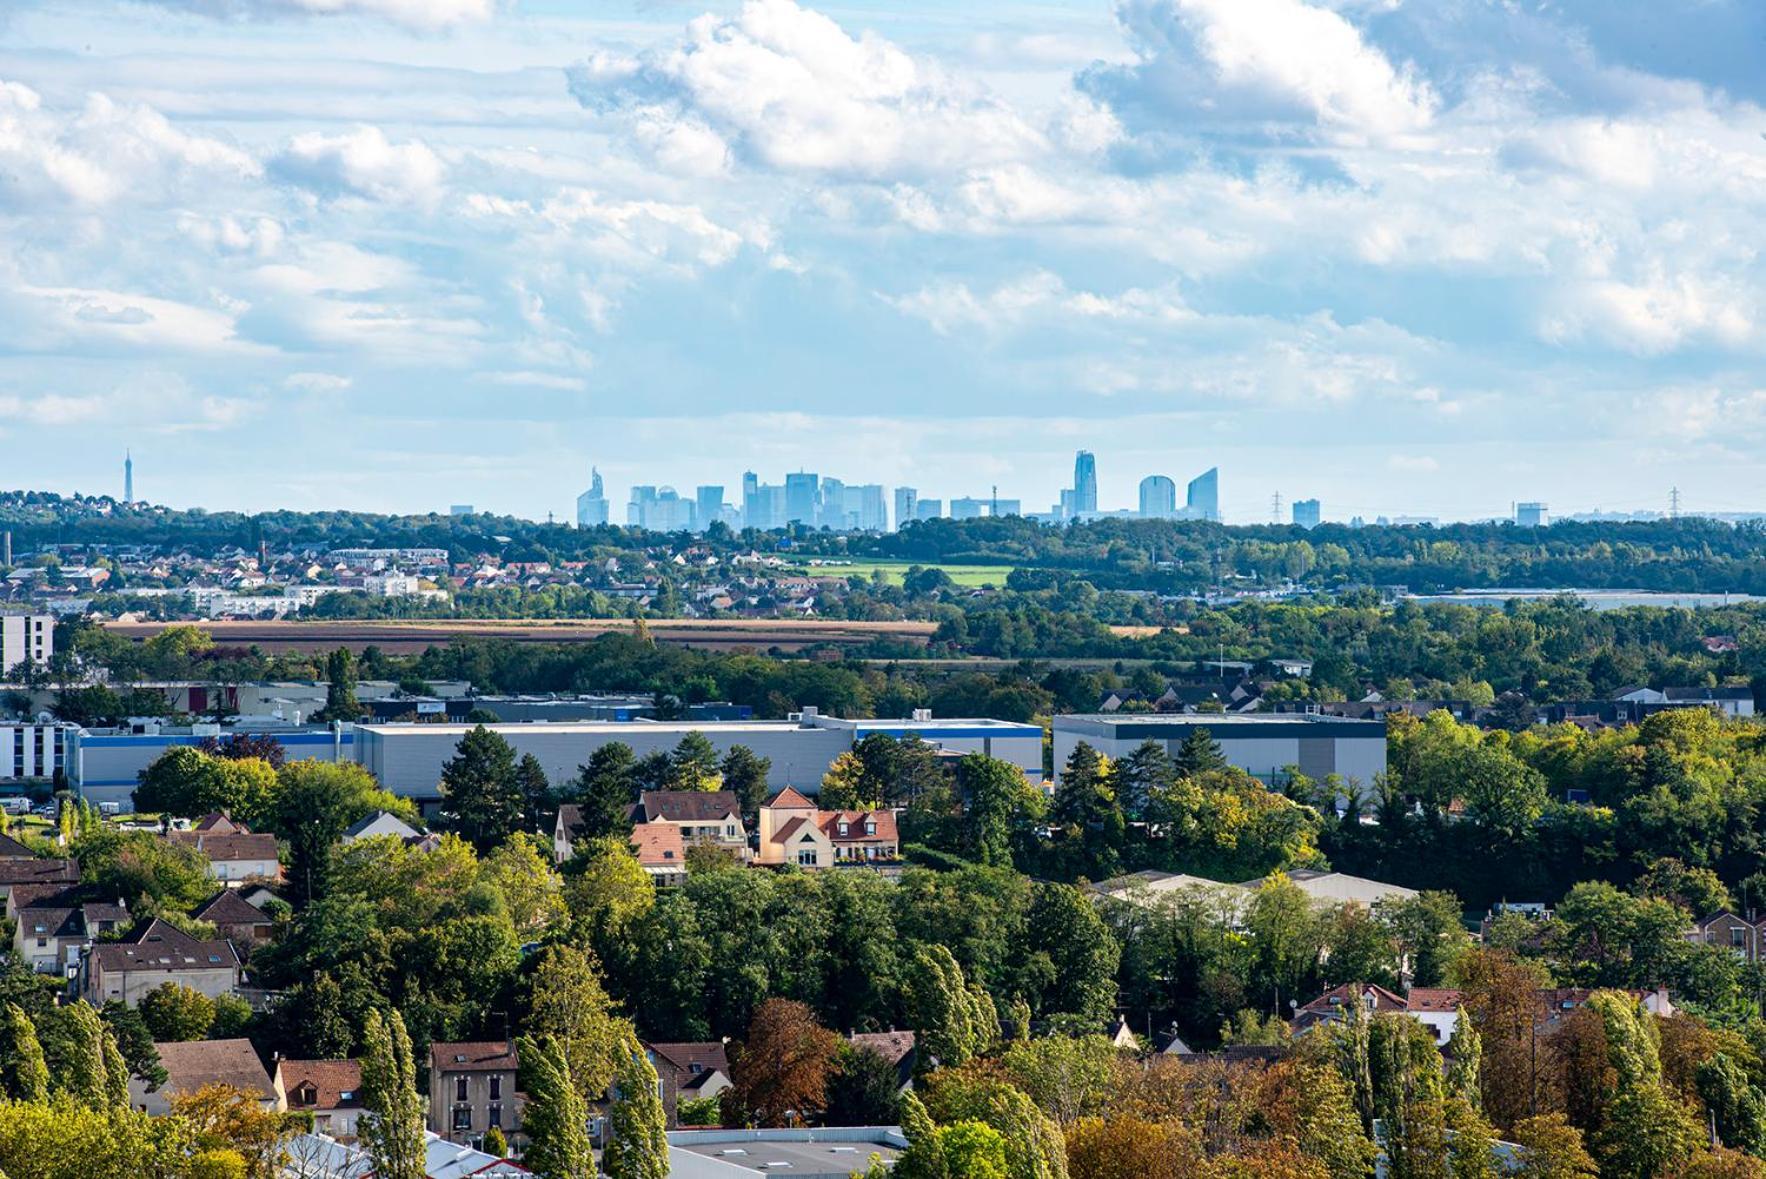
1421 258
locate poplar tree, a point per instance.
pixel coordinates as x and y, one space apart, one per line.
556 1116
23 1074
637 1146
1647 1132
955 1021
392 1124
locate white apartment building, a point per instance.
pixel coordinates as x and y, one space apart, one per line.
31 750
25 637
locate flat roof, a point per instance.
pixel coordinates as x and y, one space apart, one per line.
953 726
1154 722
807 1159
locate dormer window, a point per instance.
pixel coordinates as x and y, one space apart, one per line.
843 828
870 827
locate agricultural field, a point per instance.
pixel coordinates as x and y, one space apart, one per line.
970 576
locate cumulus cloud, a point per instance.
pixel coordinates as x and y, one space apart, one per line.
362 163
1232 61
788 88
316 382
1413 464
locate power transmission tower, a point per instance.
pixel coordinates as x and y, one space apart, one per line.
1674 503
1275 508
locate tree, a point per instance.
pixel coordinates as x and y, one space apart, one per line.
1551 1148
151 875
315 803
1428 933
692 765
1737 1108
134 1041
539 803
391 1128
1082 953
187 782
1147 769
1133 1148
1199 754
1647 1132
481 794
494 1143
780 1075
340 689
23 1075
567 1003
955 1021
226 1118
998 803
1068 1077
637 1125
605 789
1465 1055
1085 809
174 1012
746 773
863 1089
962 1150
556 1116
521 869
846 786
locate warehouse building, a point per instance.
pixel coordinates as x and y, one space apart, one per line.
1269 746
408 758
104 765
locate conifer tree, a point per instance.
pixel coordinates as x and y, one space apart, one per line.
1199 754
481 792
392 1124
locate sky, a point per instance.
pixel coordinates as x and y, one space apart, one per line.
1405 256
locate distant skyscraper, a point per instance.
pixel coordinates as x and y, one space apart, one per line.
907 505
708 506
967 508
128 478
1306 513
1158 498
461 509
831 512
1532 515
1203 496
872 508
1085 483
591 505
929 509
638 507
801 498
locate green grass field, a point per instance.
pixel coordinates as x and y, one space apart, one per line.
964 575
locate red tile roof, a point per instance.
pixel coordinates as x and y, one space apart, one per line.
473 1056
855 826
330 1081
789 799
686 806
658 845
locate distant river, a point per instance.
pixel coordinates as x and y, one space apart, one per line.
1599 599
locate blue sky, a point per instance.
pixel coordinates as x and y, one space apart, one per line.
1404 256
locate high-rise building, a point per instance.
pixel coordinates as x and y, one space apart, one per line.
461 510
802 498
708 506
1202 500
1085 483
907 505
967 507
831 511
659 509
929 509
637 508
872 509
592 508
128 478
1306 513
1158 498
1532 515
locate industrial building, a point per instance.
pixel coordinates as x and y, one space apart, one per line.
408 758
33 750
104 765
1269 746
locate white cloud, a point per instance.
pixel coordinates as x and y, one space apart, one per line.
790 89
317 382
538 380
1413 464
426 15
362 163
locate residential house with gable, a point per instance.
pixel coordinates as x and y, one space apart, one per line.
793 830
235 853
472 1089
330 1090
191 1065
238 920
158 954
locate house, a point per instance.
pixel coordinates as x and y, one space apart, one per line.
899 1048
48 937
12 849
687 1071
566 828
328 1089
1727 701
661 852
713 816
1724 928
1335 888
1334 1004
238 920
1438 1008
49 875
379 823
158 954
191 1065
472 1088
793 830
234 852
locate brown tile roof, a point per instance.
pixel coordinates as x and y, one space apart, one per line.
51 921
229 908
709 1056
1432 999
222 847
218 823
39 872
160 946
891 1046
791 799
855 826
658 844
1338 998
12 849
686 806
473 1056
331 1080
195 1063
